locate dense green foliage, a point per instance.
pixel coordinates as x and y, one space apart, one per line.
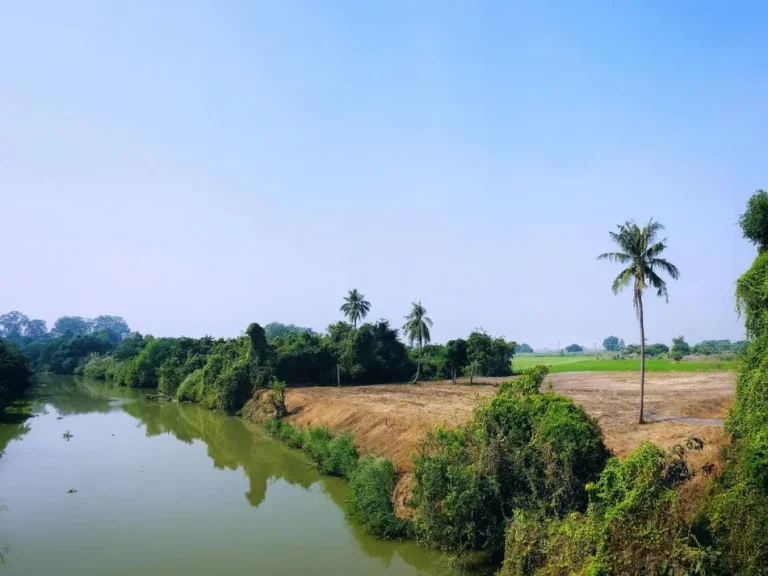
14 374
279 330
737 517
521 450
633 524
754 221
573 348
523 349
492 356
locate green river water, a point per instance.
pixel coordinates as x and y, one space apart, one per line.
169 488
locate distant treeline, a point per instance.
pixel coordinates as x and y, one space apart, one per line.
679 347
220 372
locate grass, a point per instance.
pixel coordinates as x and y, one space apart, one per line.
589 363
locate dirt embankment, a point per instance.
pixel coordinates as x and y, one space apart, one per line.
390 419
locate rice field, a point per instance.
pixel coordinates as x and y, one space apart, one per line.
589 363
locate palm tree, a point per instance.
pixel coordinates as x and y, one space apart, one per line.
355 306
640 252
416 328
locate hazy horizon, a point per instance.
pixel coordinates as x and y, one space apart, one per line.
193 167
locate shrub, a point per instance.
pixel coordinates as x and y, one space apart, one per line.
99 367
316 443
170 377
342 456
370 501
532 452
191 388
633 525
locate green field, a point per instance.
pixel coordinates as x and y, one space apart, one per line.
591 364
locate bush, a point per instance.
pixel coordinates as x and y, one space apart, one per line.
633 525
370 501
316 442
528 383
191 389
533 452
342 456
99 367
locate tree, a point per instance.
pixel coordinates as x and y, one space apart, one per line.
574 348
656 349
355 307
279 330
491 356
36 329
640 252
416 329
523 349
71 326
754 221
611 344
457 356
113 326
13 325
679 348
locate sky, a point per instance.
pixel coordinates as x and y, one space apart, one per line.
194 166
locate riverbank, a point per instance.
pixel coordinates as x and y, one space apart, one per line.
390 419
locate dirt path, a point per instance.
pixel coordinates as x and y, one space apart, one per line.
390 419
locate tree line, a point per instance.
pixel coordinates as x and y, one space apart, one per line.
221 373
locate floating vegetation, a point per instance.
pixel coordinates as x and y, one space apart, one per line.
67 435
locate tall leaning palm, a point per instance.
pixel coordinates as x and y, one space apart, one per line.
640 253
416 329
355 307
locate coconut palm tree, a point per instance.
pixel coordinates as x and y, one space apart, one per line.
416 329
640 253
355 307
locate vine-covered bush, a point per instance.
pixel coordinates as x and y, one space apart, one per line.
633 525
534 452
528 383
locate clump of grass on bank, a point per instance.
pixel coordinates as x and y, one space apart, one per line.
371 500
372 479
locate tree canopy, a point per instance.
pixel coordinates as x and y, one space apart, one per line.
754 220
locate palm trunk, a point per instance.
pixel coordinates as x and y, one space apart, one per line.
642 354
418 366
453 374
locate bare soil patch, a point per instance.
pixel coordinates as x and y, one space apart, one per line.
390 419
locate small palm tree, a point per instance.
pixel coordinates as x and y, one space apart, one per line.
416 329
640 252
355 307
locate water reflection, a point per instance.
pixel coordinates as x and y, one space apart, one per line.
231 444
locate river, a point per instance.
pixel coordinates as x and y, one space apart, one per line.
159 488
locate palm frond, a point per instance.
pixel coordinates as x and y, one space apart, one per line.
622 280
656 249
656 281
668 267
615 257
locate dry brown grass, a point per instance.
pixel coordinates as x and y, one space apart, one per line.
390 419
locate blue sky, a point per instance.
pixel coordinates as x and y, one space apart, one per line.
195 166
